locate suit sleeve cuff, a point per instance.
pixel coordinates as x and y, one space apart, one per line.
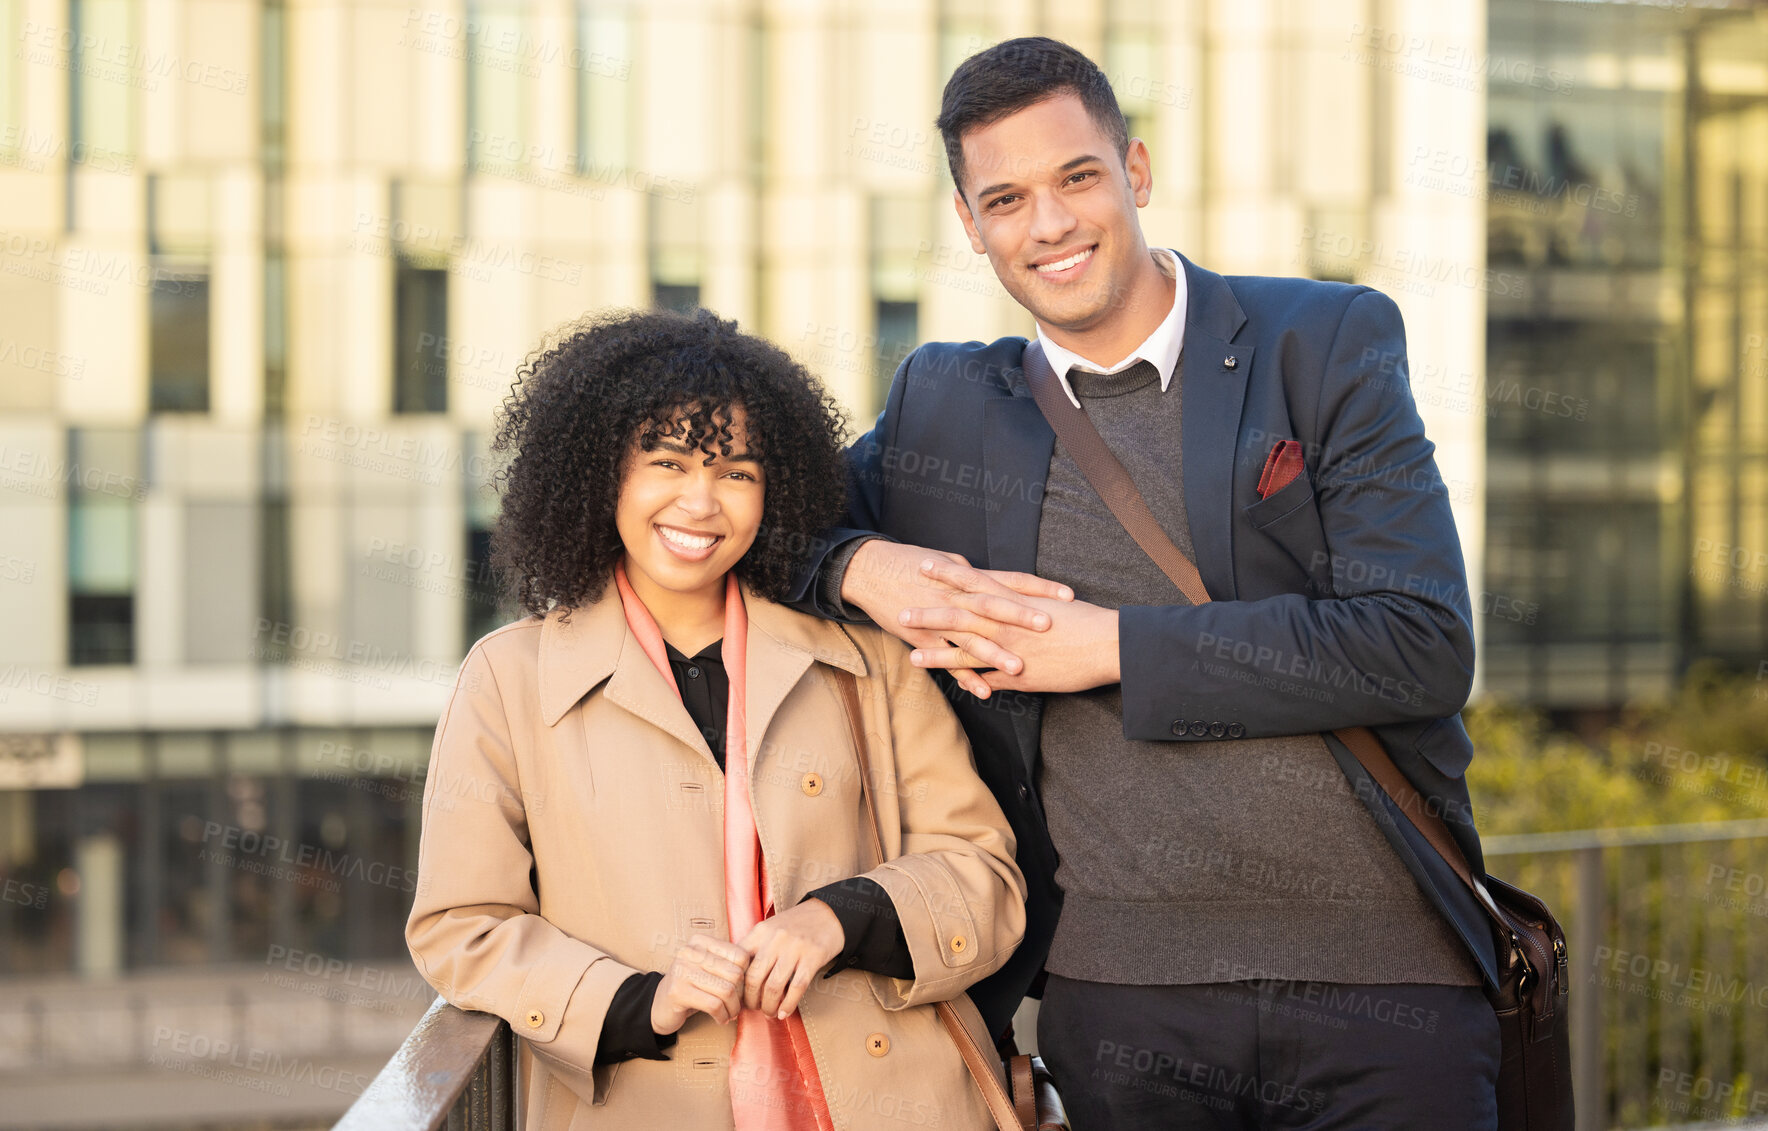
626 1029
1154 653
834 573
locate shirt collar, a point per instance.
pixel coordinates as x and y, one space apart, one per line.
1161 348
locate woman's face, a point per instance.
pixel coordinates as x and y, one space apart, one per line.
685 522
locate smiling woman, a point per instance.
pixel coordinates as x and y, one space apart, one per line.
626 394
663 842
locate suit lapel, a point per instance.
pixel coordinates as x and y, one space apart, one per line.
1214 391
1016 446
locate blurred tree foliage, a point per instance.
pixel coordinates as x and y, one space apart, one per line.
1702 756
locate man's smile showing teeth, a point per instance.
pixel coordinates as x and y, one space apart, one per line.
1074 260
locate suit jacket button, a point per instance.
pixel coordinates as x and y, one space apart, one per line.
1024 791
812 785
535 1019
1216 730
877 1044
1235 730
1179 727
1199 729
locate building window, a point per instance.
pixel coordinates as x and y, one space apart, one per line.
899 240
104 478
604 112
675 252
420 320
497 64
1130 57
179 336
100 110
273 89
12 119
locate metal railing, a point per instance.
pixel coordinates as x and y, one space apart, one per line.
457 1070
1667 928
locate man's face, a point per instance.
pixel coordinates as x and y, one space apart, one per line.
1048 201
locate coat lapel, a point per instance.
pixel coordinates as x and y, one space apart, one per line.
595 644
1214 392
783 644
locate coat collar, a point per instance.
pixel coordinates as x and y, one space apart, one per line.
595 644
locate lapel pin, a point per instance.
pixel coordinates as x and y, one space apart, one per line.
1230 362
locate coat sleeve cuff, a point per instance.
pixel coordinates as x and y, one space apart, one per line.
563 1004
943 947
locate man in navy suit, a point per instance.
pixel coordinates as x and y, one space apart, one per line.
1234 926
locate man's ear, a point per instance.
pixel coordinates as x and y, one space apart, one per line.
969 222
1141 173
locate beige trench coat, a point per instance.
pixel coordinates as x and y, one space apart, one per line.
563 750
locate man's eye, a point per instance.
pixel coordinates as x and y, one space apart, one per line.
1077 177
1002 201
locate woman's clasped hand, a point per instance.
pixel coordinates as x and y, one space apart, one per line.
769 970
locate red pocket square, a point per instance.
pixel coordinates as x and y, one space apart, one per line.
1281 468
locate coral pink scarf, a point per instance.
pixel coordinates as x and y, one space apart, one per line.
774 1083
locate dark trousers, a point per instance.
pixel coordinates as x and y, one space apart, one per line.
1271 1054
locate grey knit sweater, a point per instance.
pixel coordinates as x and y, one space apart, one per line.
1202 862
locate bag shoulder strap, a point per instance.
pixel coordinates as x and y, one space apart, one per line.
1000 1105
1119 493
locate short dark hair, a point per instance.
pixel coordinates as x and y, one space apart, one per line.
580 401
1014 74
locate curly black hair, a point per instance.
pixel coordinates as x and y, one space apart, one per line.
578 403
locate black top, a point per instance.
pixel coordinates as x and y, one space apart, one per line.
874 938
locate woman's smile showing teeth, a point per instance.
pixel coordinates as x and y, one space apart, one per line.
1066 267
687 545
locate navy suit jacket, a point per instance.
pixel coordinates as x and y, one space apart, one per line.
1339 600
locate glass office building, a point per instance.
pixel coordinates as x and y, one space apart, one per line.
1626 385
266 271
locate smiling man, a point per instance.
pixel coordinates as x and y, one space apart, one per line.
1248 933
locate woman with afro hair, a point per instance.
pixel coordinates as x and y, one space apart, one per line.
647 840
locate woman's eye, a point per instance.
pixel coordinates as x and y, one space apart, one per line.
742 475
668 463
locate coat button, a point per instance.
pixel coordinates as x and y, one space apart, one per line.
959 944
1199 729
1179 727
536 1019
1217 730
1230 362
812 784
877 1044
1235 730
1024 791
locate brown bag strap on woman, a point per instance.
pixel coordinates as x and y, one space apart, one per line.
976 1058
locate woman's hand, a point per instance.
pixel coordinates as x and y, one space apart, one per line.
707 975
785 953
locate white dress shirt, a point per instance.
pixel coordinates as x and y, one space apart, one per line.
1161 348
